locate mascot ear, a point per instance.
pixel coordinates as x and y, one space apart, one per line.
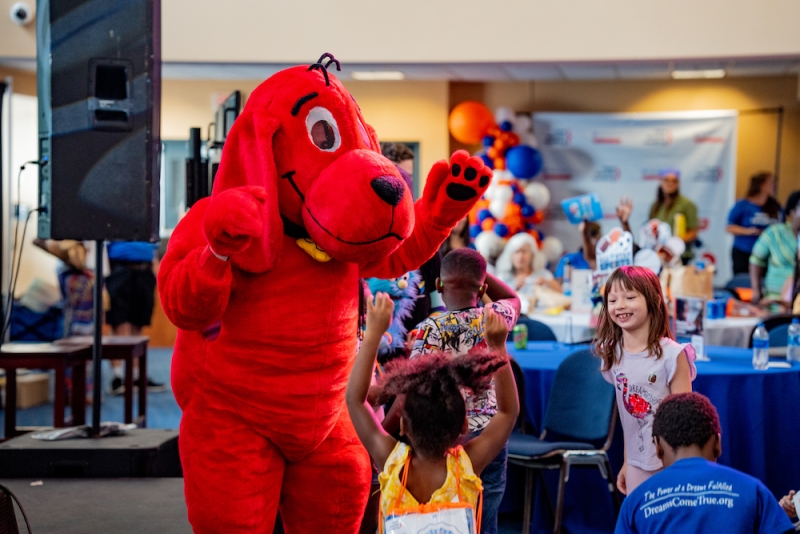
247 160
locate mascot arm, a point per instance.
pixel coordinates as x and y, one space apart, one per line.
451 191
193 283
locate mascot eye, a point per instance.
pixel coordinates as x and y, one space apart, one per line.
323 130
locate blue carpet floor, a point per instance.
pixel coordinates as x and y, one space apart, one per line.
162 410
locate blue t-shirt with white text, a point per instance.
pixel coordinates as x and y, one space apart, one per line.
695 495
748 215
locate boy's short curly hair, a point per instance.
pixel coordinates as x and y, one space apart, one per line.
434 407
686 419
464 265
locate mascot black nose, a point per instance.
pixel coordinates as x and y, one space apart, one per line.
389 188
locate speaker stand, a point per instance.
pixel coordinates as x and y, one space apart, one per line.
97 349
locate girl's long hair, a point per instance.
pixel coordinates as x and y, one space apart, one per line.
771 207
608 341
434 406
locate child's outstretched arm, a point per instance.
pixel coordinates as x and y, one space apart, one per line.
485 448
378 443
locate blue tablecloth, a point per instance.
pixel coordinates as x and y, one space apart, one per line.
759 412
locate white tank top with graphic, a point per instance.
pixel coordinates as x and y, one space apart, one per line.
642 382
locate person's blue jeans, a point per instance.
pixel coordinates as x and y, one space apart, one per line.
494 486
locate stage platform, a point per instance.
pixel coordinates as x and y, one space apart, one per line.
96 506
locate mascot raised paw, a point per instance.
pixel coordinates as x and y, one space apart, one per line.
262 281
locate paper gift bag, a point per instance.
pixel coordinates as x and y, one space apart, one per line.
689 282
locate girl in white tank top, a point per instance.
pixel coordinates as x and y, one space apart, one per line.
643 363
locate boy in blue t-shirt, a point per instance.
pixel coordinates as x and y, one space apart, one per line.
693 493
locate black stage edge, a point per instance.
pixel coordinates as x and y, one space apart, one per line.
140 453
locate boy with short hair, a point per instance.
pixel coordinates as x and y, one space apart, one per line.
462 282
693 493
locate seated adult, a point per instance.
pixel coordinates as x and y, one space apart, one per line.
584 258
669 203
693 493
774 255
522 266
750 216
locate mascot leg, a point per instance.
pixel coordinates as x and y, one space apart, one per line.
327 490
232 475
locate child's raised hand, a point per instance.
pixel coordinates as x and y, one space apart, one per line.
495 329
379 313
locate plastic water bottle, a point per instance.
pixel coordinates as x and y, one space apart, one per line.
567 274
793 341
760 348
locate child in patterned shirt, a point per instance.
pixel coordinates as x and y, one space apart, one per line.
462 282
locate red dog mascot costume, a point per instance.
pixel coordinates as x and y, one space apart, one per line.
303 205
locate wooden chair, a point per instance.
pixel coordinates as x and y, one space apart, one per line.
14 356
128 348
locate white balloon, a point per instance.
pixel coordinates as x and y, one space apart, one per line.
648 258
537 195
504 114
553 248
501 196
489 244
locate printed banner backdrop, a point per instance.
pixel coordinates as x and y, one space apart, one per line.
620 155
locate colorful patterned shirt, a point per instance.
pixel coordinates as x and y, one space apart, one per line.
457 332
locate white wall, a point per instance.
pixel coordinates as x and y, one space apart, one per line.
358 31
24 147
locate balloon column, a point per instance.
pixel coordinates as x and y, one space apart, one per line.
514 202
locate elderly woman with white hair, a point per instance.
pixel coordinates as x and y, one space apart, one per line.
522 266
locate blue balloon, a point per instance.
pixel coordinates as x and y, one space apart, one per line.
528 210
489 162
484 214
519 198
474 230
488 140
506 126
501 229
524 161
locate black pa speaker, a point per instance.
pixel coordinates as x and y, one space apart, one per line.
99 89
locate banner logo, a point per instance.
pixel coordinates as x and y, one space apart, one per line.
659 137
559 137
607 173
709 139
651 174
606 138
709 175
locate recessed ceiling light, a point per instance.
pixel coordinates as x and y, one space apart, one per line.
373 75
697 74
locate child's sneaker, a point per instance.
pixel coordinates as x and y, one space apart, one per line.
153 386
117 386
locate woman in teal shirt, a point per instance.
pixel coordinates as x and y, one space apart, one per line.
775 254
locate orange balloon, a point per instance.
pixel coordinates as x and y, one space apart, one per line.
470 121
500 164
482 204
488 224
537 217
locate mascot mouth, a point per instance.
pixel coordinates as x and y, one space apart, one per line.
290 177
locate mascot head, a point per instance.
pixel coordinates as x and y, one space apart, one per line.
302 137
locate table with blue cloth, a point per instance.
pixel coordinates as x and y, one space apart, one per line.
758 412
